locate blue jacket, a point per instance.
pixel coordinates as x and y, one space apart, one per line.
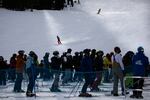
86 64
140 62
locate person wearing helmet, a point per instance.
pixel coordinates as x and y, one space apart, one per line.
139 62
30 68
87 69
55 65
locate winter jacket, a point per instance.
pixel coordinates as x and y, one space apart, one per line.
140 62
46 62
98 63
3 65
76 62
29 62
117 58
55 63
86 64
106 63
12 62
20 64
69 61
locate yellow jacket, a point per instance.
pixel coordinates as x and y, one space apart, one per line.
106 63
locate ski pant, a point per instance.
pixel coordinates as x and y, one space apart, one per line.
18 82
117 75
138 84
67 76
2 77
12 74
97 80
88 80
106 75
56 80
32 77
77 75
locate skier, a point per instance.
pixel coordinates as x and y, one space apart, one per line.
98 68
76 64
87 69
106 67
140 63
68 67
20 63
3 67
31 72
58 40
47 74
12 72
55 65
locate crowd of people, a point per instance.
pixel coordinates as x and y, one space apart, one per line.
91 66
21 5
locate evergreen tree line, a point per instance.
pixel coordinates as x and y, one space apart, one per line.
36 4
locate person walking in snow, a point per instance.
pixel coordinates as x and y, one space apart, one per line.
140 63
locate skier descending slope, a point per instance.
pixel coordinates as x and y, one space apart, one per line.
58 40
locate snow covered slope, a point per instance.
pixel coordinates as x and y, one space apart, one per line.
123 23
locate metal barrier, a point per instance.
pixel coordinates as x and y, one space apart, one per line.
131 89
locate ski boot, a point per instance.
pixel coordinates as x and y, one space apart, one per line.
30 94
85 95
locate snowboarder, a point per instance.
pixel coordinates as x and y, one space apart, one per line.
58 40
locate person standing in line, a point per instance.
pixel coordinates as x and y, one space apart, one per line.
3 68
55 65
87 70
31 72
68 67
98 69
118 71
12 72
20 63
140 63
